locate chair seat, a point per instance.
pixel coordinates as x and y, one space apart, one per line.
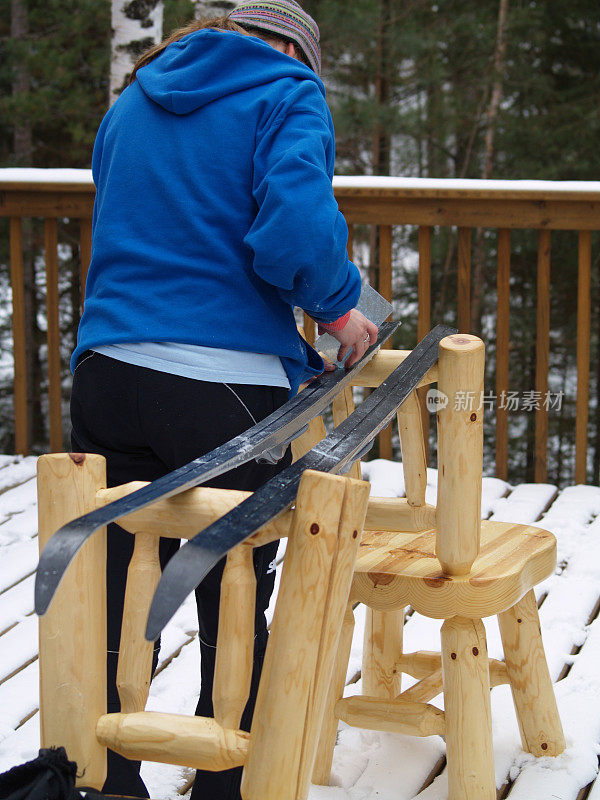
394 570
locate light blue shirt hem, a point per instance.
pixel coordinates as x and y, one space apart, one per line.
212 364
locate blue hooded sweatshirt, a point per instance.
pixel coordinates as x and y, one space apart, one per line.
214 213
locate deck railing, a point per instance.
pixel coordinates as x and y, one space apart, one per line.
383 202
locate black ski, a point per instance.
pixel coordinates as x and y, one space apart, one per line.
274 432
339 450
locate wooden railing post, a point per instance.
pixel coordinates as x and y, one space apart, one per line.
502 353
583 355
19 338
542 356
85 253
424 314
385 289
464 280
53 336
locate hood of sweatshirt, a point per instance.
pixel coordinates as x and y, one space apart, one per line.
207 65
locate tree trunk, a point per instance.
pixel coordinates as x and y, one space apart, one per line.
23 157
477 292
381 161
136 26
205 9
19 30
492 115
381 158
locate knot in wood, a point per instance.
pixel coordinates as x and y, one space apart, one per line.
453 656
544 746
354 534
458 339
473 417
314 529
475 651
77 458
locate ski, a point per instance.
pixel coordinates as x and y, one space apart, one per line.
336 452
275 432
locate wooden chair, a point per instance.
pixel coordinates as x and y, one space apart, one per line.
324 533
449 566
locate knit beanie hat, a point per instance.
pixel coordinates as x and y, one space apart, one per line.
285 18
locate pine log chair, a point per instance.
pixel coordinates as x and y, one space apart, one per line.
449 565
324 533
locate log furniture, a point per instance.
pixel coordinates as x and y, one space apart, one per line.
448 565
324 533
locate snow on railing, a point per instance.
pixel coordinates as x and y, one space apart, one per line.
58 177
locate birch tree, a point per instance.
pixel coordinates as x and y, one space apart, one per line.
213 8
135 26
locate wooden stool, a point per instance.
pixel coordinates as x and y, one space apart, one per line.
459 570
278 755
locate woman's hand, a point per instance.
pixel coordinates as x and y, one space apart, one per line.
359 334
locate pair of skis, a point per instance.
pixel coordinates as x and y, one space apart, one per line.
266 439
197 557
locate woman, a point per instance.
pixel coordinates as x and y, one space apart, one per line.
214 217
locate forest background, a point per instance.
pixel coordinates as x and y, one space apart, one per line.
504 89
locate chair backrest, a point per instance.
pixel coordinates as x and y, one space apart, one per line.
411 430
324 531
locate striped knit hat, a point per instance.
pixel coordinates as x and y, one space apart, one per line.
287 19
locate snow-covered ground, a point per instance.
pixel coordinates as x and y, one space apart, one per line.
367 765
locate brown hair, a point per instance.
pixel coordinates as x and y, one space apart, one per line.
216 23
270 36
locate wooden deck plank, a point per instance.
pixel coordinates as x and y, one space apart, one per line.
19 647
578 697
15 604
18 561
19 696
16 473
525 504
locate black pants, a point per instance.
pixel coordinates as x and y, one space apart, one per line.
147 423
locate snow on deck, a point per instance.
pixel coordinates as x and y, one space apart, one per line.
367 765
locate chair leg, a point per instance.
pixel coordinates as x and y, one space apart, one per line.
533 695
467 710
73 631
315 585
381 675
322 768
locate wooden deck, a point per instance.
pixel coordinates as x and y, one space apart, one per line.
367 765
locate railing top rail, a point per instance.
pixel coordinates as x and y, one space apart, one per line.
77 180
464 188
34 179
